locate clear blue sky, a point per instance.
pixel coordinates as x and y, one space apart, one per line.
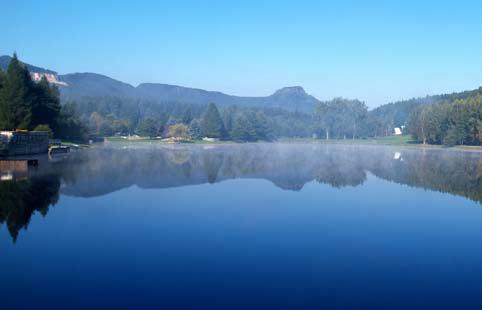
375 51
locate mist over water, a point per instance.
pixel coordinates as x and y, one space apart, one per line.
243 225
104 170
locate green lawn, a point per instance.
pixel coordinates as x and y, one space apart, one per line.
405 140
390 140
142 139
75 143
146 139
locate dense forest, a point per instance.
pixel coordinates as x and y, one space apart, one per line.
27 105
343 118
450 119
24 104
457 122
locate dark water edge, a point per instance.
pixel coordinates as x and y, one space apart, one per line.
238 226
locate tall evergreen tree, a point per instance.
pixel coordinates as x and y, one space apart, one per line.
69 124
148 128
17 97
212 124
262 127
2 79
187 116
243 129
228 118
195 129
251 126
46 105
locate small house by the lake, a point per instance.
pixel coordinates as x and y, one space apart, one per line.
16 143
207 139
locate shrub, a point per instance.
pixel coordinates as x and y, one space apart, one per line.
43 127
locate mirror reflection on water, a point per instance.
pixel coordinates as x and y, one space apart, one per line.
286 224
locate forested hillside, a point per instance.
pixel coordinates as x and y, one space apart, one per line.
80 85
451 122
94 104
397 114
25 104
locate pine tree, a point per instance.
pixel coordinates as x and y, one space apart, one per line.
228 119
17 97
195 129
212 124
187 116
69 124
243 129
3 80
148 128
46 104
262 127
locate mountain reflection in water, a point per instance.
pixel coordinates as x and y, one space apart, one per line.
103 170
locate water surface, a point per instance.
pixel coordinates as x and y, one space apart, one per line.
253 225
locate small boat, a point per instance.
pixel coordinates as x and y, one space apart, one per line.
59 149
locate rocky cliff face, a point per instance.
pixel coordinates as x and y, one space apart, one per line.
35 72
52 78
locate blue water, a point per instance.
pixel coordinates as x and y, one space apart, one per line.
242 240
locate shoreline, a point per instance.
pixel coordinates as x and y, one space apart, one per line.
403 141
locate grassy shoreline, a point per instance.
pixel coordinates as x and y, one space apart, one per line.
405 141
392 140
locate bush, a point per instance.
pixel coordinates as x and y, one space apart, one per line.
451 138
179 131
43 127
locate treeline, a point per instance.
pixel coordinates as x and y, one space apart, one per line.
450 119
450 123
446 119
109 116
26 105
405 113
232 124
340 118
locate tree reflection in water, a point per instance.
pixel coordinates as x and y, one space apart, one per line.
103 170
20 199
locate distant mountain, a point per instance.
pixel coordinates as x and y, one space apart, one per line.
5 60
295 98
290 98
294 95
94 85
80 85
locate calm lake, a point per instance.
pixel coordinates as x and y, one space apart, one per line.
238 226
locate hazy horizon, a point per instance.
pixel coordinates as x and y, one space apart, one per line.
376 52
